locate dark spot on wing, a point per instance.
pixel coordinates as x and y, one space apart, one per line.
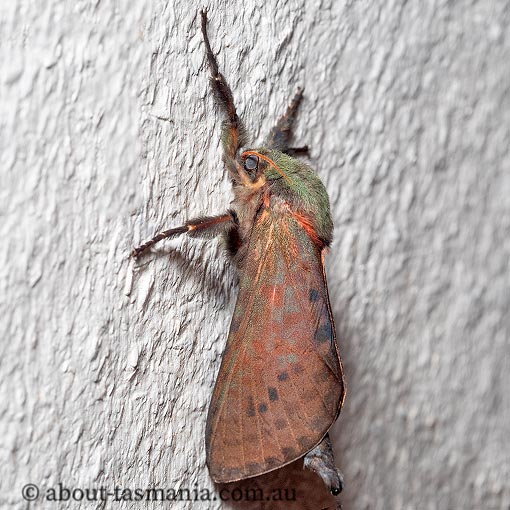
304 442
253 467
319 423
271 462
280 424
314 295
288 452
324 333
251 407
283 376
262 408
273 394
298 369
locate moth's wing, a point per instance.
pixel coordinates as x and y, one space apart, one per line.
280 385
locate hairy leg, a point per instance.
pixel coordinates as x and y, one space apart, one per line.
232 132
280 135
321 461
207 226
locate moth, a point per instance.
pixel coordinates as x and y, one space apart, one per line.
281 383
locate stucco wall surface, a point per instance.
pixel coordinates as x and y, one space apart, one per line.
108 133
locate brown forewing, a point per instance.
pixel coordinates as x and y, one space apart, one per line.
280 385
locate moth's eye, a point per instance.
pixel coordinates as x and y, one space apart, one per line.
251 163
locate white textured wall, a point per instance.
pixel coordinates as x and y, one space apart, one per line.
108 133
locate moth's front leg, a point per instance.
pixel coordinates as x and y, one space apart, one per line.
321 461
232 136
206 226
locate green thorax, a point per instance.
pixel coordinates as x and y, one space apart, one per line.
302 190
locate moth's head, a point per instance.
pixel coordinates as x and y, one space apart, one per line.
264 165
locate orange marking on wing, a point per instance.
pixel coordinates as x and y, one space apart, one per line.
244 155
262 258
306 223
267 200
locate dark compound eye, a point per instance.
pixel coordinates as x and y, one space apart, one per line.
251 162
